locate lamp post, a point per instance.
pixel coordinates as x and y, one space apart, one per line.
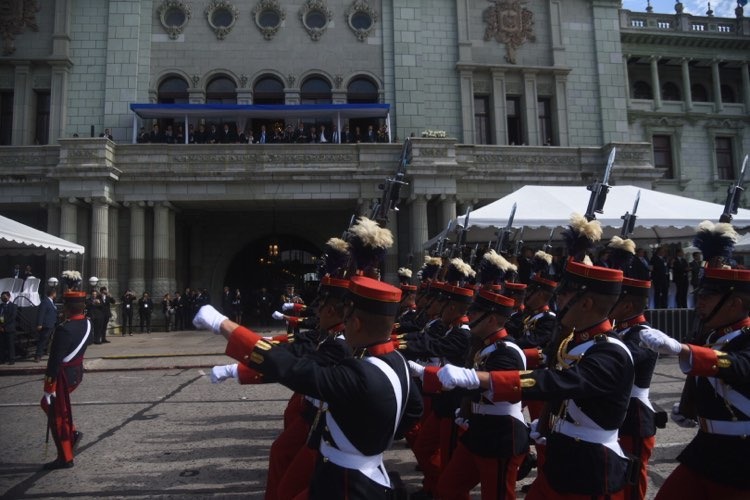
52 282
93 281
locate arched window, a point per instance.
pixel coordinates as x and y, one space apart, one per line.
315 90
268 90
221 90
727 94
699 93
173 90
670 92
362 90
642 90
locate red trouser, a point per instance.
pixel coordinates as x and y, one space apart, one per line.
687 484
60 420
294 407
644 448
299 473
427 451
283 451
465 470
541 490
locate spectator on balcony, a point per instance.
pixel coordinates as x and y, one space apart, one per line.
191 134
212 137
357 135
246 137
156 136
107 133
263 136
313 134
372 136
346 135
335 135
228 135
300 135
169 135
323 135
200 135
141 139
179 137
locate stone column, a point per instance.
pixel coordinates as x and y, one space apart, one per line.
419 231
69 231
531 106
99 241
687 95
22 105
172 252
716 80
467 109
499 109
625 58
561 108
137 278
161 250
655 84
745 85
447 210
58 102
113 282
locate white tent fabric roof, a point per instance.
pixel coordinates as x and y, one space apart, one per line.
660 216
17 236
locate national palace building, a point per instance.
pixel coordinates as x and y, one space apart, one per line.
527 92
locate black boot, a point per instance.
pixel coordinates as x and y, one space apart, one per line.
57 464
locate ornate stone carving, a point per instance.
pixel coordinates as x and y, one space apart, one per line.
357 16
290 79
337 81
509 23
264 13
243 81
221 16
315 10
169 12
15 16
196 80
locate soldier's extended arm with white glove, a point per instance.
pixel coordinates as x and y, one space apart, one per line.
416 370
451 376
222 372
209 318
661 342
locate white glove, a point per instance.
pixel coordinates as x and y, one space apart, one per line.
48 396
222 372
460 421
660 342
452 376
534 434
277 315
209 318
288 306
680 419
416 370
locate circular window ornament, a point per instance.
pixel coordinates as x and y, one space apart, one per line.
316 17
269 17
361 19
173 16
221 16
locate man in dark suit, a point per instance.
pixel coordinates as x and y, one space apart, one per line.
660 277
371 135
681 277
45 322
107 302
346 135
8 311
228 136
300 134
263 137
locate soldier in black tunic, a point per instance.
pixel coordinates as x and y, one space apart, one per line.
370 396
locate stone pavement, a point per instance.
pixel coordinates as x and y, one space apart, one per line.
154 351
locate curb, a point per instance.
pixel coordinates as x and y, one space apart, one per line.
149 356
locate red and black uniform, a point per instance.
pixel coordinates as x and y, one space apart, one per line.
64 374
714 463
590 395
363 409
637 433
492 448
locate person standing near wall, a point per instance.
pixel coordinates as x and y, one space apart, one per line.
45 320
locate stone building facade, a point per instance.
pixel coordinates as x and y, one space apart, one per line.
527 92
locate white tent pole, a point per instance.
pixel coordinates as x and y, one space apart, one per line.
135 127
185 129
388 125
338 125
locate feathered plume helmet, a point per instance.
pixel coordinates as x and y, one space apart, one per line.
430 269
458 272
493 269
715 241
622 253
404 275
334 259
72 280
540 263
368 243
580 236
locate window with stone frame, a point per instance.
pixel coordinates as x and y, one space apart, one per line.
728 94
268 90
221 90
670 92
642 90
698 93
173 90
724 152
42 117
544 106
662 149
513 119
482 120
6 117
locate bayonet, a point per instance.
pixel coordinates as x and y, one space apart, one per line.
628 220
548 246
519 241
599 190
733 195
504 234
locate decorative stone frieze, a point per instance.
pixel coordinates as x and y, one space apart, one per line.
509 23
15 17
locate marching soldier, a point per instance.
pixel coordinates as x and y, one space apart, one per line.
637 433
370 396
63 375
713 465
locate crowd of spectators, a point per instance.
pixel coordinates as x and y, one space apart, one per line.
277 133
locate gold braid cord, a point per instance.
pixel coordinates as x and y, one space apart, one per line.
565 360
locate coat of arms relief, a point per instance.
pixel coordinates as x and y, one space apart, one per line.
509 23
15 16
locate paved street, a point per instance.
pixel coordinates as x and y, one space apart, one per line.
154 426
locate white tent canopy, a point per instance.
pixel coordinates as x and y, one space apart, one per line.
539 209
743 243
17 236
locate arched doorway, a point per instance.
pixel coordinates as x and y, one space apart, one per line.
272 262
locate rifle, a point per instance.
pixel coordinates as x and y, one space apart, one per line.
441 243
503 236
519 242
599 190
391 188
733 196
548 246
628 220
473 255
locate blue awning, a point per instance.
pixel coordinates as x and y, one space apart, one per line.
148 110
